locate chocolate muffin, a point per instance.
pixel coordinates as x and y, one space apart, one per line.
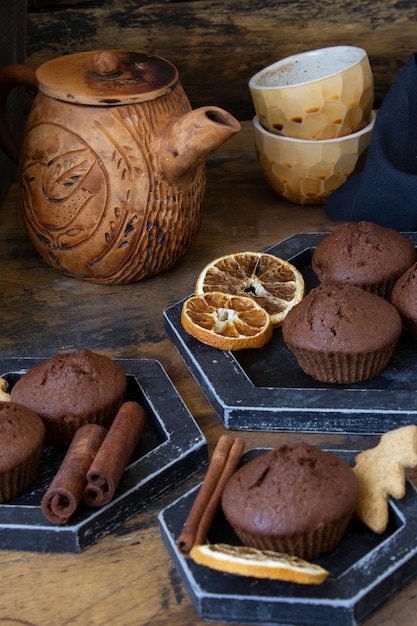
340 333
364 254
72 389
404 298
296 500
22 433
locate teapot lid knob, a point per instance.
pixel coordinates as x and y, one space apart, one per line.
106 63
107 77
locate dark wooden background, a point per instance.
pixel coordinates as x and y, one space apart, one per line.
12 50
218 45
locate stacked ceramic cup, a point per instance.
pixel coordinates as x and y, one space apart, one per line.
313 120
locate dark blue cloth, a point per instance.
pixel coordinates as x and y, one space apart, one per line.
385 192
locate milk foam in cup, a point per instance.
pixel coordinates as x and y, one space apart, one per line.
319 94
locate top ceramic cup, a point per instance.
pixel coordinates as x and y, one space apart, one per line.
320 94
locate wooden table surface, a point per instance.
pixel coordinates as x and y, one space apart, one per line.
127 578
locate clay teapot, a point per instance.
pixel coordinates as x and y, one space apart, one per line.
112 166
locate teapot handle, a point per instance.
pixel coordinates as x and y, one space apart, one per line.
12 76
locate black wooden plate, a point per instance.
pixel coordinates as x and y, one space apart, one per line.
265 389
365 570
171 449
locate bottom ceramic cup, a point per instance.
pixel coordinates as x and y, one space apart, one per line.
307 171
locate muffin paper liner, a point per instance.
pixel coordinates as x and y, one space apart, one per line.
343 368
19 478
309 545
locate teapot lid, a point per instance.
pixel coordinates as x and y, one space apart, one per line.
107 77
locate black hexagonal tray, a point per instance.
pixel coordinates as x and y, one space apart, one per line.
365 570
171 449
264 389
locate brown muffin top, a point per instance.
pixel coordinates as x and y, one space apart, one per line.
70 384
404 298
363 253
290 490
404 293
21 433
341 318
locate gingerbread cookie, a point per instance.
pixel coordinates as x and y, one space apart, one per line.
4 395
381 473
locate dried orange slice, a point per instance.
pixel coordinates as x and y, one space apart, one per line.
272 282
225 321
247 561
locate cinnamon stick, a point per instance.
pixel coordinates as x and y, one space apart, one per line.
223 463
106 470
66 490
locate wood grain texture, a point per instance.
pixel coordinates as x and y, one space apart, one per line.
127 578
218 45
12 50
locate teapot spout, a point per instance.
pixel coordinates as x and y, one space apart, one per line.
190 139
